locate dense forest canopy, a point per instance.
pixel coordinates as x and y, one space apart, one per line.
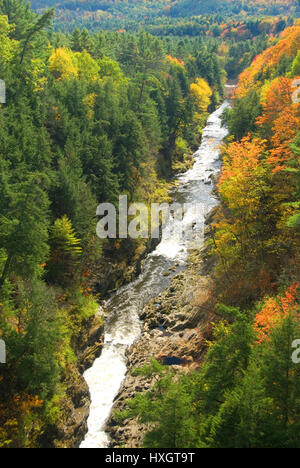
132 15
173 8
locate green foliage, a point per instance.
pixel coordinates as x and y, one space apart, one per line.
65 252
24 227
39 344
296 66
167 406
282 383
294 170
246 395
88 117
242 117
162 16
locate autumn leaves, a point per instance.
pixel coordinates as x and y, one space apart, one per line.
257 233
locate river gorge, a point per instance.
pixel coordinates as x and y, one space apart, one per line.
124 324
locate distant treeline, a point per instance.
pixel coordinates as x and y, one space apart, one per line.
180 17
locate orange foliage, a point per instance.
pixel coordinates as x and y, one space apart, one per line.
25 403
274 311
15 416
175 61
242 158
267 61
279 97
284 131
281 116
252 238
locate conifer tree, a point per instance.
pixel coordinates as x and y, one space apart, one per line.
65 252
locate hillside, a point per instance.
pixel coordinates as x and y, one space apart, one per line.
131 14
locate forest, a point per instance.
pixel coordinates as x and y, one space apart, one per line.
179 17
92 113
247 393
87 117
174 8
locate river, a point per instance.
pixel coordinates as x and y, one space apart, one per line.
123 325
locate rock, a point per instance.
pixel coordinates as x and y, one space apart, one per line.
209 219
175 333
176 327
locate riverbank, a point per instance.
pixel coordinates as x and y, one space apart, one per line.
71 425
176 323
110 275
177 326
159 270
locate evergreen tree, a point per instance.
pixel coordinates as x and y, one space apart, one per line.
76 41
65 253
282 378
25 221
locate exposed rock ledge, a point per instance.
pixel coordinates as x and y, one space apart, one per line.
177 324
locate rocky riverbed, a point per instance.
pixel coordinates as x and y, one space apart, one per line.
177 325
166 312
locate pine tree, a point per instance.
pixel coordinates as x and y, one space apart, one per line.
25 222
76 41
65 253
167 407
245 419
282 378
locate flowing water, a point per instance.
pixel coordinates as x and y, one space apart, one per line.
123 325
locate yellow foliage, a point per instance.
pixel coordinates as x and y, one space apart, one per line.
87 67
111 68
7 46
65 64
89 101
62 65
238 185
36 74
264 91
202 93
